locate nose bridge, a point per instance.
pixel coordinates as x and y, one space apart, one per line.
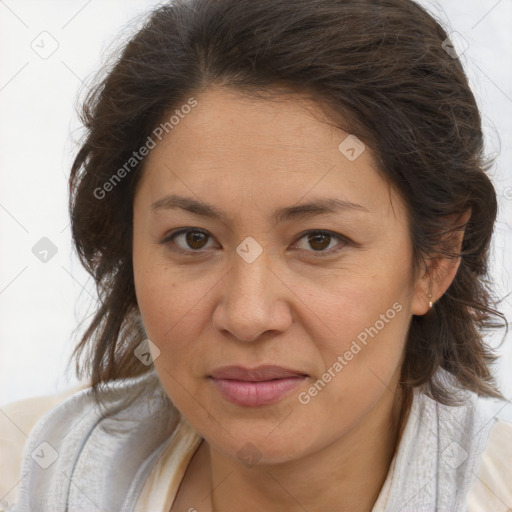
250 302
251 266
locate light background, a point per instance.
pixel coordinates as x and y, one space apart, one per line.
41 303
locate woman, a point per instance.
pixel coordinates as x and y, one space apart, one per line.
285 208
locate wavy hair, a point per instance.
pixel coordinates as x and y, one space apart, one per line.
379 70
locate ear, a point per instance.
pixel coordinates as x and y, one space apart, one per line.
437 278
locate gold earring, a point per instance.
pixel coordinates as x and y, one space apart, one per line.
430 303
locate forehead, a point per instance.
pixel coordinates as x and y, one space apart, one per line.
232 147
224 121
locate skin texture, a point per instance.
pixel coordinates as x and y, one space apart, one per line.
295 306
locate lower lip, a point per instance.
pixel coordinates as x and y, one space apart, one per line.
250 394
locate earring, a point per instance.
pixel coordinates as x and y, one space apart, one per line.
430 303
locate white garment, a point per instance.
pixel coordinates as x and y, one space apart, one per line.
437 459
141 467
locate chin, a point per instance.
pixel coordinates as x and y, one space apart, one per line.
252 452
253 442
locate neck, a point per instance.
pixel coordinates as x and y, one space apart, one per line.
347 475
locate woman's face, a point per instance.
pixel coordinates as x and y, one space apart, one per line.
254 288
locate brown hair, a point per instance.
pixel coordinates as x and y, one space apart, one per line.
379 70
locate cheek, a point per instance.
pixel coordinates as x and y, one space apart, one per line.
163 294
361 366
366 306
368 326
174 307
169 309
166 306
367 352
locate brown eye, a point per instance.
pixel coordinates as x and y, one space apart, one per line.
195 239
320 241
187 240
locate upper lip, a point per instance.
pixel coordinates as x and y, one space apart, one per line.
258 374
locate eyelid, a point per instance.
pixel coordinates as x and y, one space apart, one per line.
343 242
343 239
169 237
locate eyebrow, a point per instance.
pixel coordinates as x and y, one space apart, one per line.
301 211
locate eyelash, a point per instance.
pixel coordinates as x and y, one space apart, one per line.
170 238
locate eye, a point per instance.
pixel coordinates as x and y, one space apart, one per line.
319 240
194 240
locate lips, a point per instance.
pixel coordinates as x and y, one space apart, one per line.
263 385
259 374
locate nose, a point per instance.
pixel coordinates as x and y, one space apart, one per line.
253 302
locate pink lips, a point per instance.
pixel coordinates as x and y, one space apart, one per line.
257 386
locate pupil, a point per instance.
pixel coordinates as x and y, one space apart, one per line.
194 237
314 238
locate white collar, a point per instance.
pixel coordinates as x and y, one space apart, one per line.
438 457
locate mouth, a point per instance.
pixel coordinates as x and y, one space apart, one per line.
251 387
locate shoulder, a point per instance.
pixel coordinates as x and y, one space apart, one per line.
439 455
114 439
492 488
17 420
